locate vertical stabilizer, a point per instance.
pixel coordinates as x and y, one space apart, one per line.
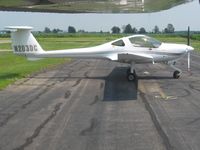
23 42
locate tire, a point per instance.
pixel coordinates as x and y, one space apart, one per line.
131 77
176 74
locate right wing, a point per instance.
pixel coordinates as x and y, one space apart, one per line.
135 57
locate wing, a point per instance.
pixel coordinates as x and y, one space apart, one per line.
135 57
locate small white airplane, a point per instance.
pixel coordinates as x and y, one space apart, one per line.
132 50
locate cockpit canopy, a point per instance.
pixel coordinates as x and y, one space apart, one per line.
144 41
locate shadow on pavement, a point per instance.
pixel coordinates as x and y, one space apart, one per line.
117 88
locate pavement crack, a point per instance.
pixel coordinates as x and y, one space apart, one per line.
101 85
156 123
195 86
96 99
194 121
23 106
91 128
67 94
7 118
77 82
37 131
86 74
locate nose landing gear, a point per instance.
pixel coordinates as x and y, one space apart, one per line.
177 73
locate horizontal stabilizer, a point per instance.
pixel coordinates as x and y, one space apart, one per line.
19 28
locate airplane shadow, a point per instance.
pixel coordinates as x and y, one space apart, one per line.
117 88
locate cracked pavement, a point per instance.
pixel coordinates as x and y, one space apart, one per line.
89 104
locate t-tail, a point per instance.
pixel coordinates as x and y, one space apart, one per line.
24 43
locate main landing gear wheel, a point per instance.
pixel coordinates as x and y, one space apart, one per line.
131 76
176 74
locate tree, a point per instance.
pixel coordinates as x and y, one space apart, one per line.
81 31
115 29
71 29
170 29
127 29
134 30
47 30
56 30
142 30
156 29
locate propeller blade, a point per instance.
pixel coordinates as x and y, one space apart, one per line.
188 61
188 43
188 36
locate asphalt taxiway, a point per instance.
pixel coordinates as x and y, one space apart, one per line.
89 104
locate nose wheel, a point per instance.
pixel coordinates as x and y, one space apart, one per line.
176 74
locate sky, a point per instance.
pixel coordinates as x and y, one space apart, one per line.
180 16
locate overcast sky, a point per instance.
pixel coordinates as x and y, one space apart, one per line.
180 16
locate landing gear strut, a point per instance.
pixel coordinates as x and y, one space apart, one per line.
131 75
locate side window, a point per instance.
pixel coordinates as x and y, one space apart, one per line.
137 41
140 42
119 43
144 41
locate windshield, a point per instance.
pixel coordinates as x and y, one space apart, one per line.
144 41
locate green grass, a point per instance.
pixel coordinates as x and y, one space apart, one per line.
73 42
14 67
13 3
5 46
157 5
178 39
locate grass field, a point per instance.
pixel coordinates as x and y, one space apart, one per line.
14 67
93 5
157 5
13 3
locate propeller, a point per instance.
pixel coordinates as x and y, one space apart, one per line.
189 62
188 43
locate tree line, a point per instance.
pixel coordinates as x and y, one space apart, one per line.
127 29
